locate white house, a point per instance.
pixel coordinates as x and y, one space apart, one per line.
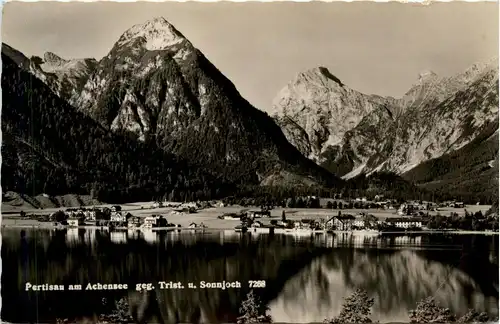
406 222
116 208
359 222
340 222
134 222
150 221
117 217
89 215
189 205
74 222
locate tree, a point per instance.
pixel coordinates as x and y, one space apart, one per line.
300 203
313 203
369 220
106 214
356 309
429 312
473 316
329 205
253 311
120 314
59 216
283 216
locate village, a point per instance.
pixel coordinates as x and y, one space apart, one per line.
312 215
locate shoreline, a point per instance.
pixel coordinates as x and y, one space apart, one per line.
42 225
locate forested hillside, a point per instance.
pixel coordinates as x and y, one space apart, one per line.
155 84
50 147
469 174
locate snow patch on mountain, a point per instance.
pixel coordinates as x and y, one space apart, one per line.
157 34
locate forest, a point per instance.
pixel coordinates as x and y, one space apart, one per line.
50 147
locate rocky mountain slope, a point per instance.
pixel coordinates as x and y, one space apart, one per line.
68 76
65 77
155 86
316 109
50 147
470 172
351 133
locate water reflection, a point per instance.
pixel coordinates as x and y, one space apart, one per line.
307 276
396 280
118 237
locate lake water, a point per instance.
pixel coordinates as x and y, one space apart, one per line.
306 277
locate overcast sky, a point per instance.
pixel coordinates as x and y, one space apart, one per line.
372 47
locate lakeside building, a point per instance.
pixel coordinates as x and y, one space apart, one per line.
75 221
150 222
134 221
117 217
340 222
259 214
359 222
412 222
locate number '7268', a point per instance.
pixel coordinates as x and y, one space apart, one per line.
257 283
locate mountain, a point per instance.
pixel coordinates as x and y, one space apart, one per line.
50 147
469 173
155 86
67 76
23 62
64 77
350 133
316 109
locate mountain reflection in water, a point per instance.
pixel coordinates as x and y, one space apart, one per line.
307 277
396 280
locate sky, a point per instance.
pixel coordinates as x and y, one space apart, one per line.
375 48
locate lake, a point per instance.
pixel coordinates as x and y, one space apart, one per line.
306 277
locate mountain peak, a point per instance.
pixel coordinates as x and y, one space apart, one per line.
157 33
426 75
325 72
52 58
321 72
479 68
